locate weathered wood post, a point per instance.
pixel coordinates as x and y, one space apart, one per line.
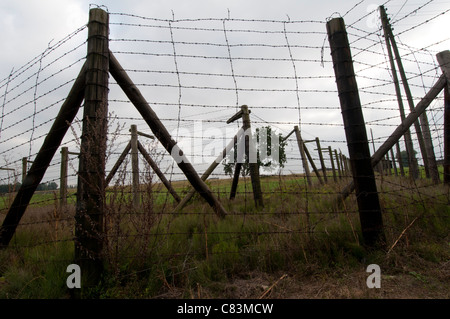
63 177
332 164
421 126
413 165
135 167
24 167
311 161
355 131
322 162
444 62
393 162
338 164
251 153
301 147
89 228
399 159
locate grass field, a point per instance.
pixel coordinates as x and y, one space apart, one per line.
300 245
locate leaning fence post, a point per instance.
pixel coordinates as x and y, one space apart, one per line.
338 165
332 164
250 151
89 228
322 162
135 166
355 131
301 147
63 177
444 62
413 165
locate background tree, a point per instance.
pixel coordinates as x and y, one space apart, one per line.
262 141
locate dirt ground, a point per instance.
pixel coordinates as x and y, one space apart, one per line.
428 281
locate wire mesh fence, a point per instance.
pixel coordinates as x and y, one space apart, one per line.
196 74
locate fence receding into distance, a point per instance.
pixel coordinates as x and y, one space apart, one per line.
199 81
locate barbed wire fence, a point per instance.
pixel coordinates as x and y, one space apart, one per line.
195 74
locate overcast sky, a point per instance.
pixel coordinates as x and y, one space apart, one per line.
29 27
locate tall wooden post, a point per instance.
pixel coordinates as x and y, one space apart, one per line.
413 165
301 147
421 126
394 165
250 152
63 177
338 164
135 167
322 162
444 62
89 229
399 159
355 131
24 167
332 164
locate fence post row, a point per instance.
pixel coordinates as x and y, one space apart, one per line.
421 125
355 131
413 165
301 147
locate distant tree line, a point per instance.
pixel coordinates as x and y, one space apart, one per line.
6 188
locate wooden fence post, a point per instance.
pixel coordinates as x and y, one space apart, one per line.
89 228
393 162
250 151
301 147
135 167
338 164
332 164
322 162
413 165
63 178
444 62
311 161
357 141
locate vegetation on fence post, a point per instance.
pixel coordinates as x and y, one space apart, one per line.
89 218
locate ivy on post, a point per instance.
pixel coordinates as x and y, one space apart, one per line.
355 131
